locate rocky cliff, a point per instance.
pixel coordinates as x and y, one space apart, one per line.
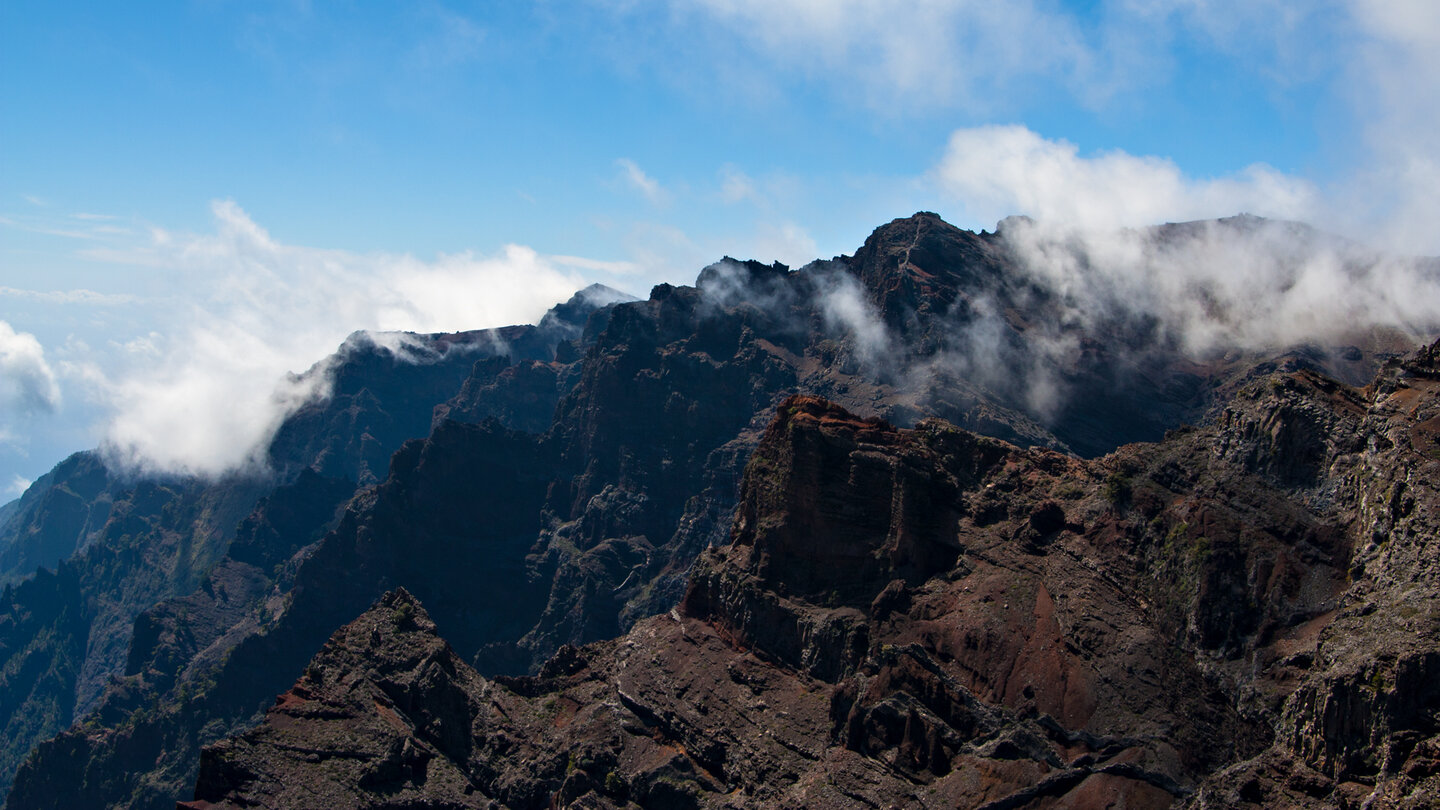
1240 615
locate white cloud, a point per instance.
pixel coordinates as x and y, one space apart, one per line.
144 345
996 171
1248 284
846 309
1394 83
637 179
17 487
27 383
205 393
899 57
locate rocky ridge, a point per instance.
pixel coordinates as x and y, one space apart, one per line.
1236 616
654 408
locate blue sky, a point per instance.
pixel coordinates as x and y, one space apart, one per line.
198 196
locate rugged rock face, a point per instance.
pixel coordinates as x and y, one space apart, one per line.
1233 617
602 455
1363 725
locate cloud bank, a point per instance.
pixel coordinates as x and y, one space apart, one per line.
213 386
1243 283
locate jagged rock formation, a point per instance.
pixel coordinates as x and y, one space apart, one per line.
612 440
1241 615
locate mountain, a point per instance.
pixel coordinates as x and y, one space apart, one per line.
543 487
1241 615
131 551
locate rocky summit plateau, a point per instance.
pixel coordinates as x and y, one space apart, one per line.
922 526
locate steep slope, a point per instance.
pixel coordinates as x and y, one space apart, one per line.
56 516
929 618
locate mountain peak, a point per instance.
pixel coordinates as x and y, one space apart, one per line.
570 317
923 263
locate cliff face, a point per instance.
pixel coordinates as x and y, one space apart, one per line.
1237 616
1363 725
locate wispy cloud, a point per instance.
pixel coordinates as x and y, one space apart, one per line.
1394 83
455 40
48 230
637 179
966 54
88 297
736 186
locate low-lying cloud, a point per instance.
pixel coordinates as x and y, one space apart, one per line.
216 382
1246 283
1240 283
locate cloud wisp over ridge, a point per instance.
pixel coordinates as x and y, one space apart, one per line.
999 171
217 381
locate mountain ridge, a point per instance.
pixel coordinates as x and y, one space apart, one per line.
654 408
970 624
